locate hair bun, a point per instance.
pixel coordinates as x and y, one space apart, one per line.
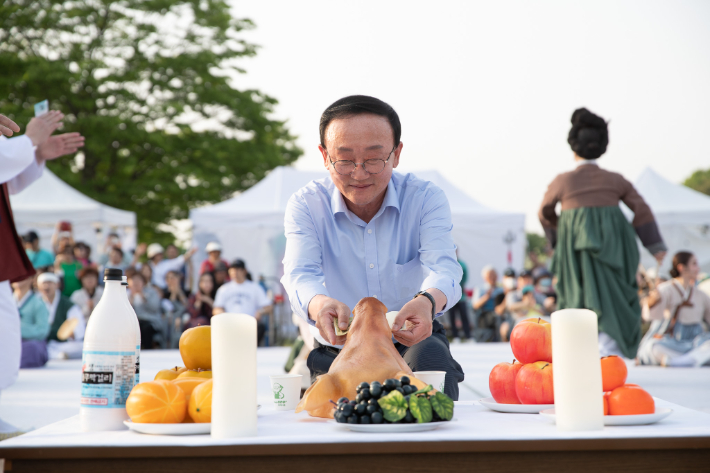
589 135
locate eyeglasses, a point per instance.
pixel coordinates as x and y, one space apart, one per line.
371 165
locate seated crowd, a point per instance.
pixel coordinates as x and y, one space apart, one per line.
56 304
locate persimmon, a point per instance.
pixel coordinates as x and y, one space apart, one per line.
614 372
169 374
156 402
188 385
606 403
200 407
196 348
204 374
630 400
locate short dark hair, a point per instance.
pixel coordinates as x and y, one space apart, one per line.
357 105
119 250
30 237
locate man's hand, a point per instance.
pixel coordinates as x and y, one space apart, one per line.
415 322
141 249
40 128
190 252
323 310
59 145
7 126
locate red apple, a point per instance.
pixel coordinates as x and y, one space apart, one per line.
531 341
533 384
501 382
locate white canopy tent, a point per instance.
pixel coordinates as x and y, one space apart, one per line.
49 200
683 217
250 226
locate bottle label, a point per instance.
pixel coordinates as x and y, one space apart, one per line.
138 364
107 378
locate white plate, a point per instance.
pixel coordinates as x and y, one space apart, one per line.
171 429
168 429
639 419
491 404
393 428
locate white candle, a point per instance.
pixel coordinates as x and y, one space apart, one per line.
577 372
234 376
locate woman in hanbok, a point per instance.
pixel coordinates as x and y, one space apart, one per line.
596 257
676 311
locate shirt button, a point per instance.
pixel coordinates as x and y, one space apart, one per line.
372 265
369 230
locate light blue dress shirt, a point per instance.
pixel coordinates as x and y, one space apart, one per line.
407 247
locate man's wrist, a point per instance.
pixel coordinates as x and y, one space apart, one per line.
431 300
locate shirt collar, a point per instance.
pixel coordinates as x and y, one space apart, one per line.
587 162
337 202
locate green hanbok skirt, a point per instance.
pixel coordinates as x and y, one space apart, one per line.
595 261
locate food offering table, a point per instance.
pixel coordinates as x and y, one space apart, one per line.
477 439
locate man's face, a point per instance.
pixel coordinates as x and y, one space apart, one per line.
48 289
171 252
116 257
357 139
214 255
237 274
492 277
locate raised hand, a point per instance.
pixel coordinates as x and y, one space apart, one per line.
40 128
7 126
59 145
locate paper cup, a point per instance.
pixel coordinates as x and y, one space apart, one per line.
286 389
435 378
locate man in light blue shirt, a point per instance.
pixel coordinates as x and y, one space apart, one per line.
367 231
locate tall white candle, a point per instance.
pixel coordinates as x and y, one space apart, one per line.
577 374
234 376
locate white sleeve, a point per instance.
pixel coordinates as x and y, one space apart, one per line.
76 313
219 298
173 264
17 156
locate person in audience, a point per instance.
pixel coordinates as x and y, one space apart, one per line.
172 252
484 299
62 236
214 257
39 257
82 253
160 266
677 310
116 259
90 293
199 304
460 310
242 296
175 306
113 241
68 267
526 305
221 276
61 309
34 324
146 303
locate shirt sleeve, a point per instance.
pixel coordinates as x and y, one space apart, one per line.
219 298
437 251
76 313
547 214
644 222
303 271
18 166
35 326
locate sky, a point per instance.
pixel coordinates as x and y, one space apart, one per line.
485 90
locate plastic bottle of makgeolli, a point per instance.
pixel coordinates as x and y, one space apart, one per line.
124 283
109 359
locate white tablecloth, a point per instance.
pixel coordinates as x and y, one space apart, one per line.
472 422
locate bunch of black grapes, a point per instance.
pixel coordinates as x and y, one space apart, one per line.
364 409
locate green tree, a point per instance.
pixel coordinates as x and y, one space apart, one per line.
134 77
700 181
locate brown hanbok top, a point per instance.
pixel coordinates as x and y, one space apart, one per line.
590 186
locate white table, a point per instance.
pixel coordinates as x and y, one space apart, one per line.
289 442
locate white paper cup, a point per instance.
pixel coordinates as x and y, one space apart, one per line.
286 389
435 378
